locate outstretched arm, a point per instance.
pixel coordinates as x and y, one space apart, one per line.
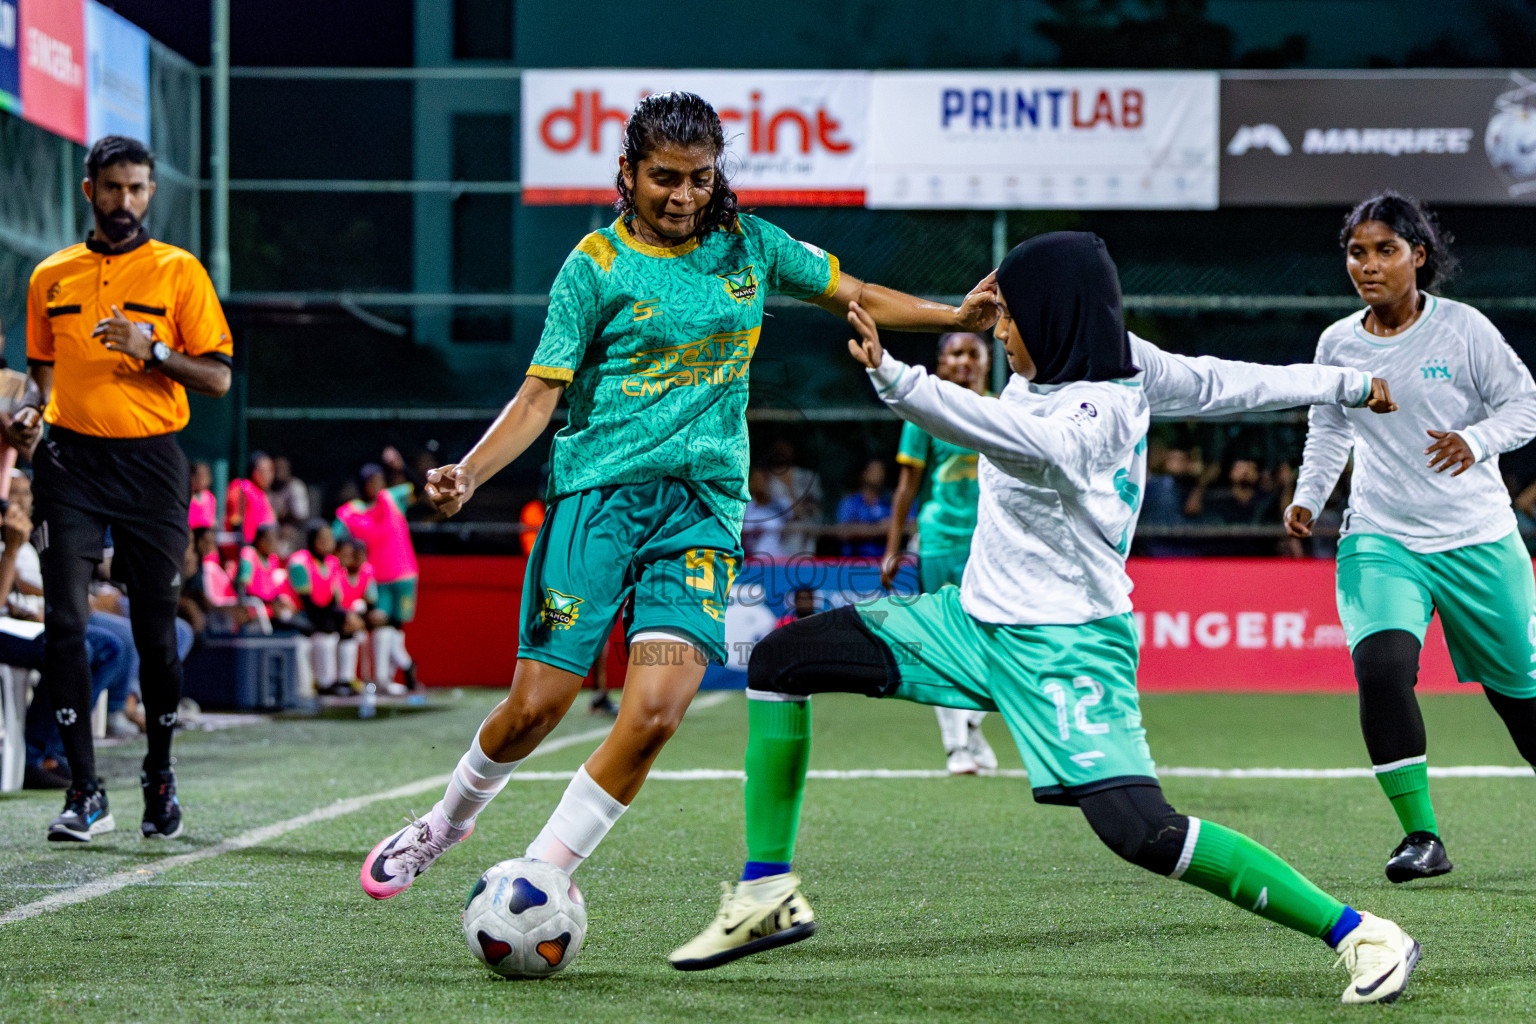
899 311
1192 387
449 488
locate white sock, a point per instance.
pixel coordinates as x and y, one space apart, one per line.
584 816
324 647
476 781
383 658
401 656
952 727
346 659
306 666
975 718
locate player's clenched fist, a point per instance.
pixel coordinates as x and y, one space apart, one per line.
449 488
1298 521
1381 397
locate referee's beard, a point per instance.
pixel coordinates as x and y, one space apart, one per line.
117 226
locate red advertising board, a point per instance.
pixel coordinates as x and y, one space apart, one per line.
1212 624
53 67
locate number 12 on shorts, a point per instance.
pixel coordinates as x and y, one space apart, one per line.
1060 696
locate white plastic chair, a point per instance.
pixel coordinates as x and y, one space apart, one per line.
13 710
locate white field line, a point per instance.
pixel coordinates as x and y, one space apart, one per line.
245 840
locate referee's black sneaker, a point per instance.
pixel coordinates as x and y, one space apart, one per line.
1419 855
85 814
162 811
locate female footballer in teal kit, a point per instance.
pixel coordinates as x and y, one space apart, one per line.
652 325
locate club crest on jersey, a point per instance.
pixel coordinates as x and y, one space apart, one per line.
1435 369
54 289
742 285
560 610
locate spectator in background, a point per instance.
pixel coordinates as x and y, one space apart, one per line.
803 607
800 489
247 506
764 519
1242 502
870 505
378 520
314 573
204 508
290 504
1172 473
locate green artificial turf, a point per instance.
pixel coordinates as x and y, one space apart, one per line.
939 899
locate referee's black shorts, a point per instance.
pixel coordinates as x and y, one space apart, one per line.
139 486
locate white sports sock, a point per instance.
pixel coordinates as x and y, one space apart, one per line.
346 659
306 666
401 656
584 816
952 727
383 654
975 718
324 648
476 781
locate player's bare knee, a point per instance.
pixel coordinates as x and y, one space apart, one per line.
647 728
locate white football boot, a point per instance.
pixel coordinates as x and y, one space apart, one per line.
962 762
400 859
1379 956
754 916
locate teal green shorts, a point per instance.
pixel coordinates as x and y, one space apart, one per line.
653 551
1068 693
937 568
1485 595
397 599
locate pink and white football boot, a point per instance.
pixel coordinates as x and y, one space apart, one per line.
402 858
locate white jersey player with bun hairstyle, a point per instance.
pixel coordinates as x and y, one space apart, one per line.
1429 528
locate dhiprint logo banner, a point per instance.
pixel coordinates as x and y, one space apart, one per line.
1043 140
792 137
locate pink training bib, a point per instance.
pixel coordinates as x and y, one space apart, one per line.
216 582
383 528
258 509
323 576
268 577
204 510
354 592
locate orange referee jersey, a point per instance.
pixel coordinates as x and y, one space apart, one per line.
164 290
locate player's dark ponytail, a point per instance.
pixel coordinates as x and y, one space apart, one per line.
682 119
1411 221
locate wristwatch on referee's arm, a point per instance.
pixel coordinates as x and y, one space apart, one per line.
159 352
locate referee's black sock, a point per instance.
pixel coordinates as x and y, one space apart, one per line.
70 693
162 696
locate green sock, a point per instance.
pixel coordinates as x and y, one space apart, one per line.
1241 871
778 749
1407 786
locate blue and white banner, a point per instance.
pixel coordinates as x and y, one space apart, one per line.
10 57
1043 140
116 76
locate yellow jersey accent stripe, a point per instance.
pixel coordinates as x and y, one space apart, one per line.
907 460
834 278
600 249
622 230
559 373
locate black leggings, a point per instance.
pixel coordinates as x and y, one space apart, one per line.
834 652
1387 669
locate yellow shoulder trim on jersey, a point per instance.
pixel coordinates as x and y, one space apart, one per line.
622 230
907 460
598 246
834 278
559 373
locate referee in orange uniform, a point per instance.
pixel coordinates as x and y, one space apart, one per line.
118 329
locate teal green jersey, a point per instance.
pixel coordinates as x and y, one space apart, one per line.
947 517
654 345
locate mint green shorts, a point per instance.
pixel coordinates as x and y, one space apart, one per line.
938 568
397 599
1068 693
652 551
1484 593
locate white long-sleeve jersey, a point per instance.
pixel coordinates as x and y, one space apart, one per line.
1061 474
1191 387
1451 370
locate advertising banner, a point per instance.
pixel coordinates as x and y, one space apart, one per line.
116 75
792 137
10 63
52 38
1043 140
1447 137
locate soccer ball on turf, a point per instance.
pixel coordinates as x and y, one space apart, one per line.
525 918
